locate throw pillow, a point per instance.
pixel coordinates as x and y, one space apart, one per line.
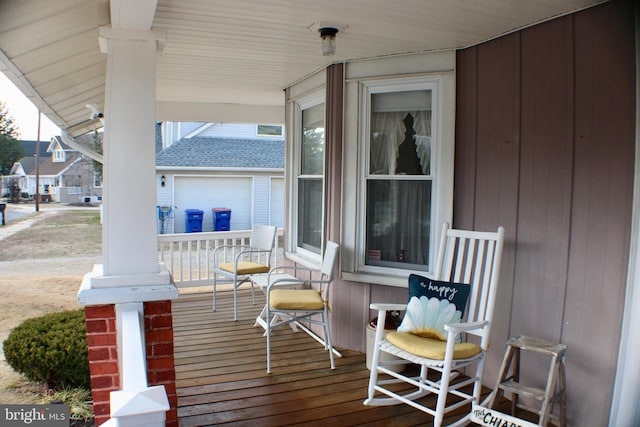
432 305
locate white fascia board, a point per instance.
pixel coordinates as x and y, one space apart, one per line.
198 131
246 171
41 176
54 142
211 112
68 139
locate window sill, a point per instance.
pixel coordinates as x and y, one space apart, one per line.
400 281
304 261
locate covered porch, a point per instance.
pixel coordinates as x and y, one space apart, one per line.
534 119
220 364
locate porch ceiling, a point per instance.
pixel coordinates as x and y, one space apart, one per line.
229 60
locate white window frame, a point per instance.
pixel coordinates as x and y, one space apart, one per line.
295 251
442 163
267 135
58 156
96 177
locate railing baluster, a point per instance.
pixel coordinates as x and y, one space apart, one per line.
206 257
199 266
180 260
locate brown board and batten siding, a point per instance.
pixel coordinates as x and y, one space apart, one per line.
545 134
544 146
347 322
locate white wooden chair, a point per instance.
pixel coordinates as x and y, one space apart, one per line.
238 262
466 257
287 306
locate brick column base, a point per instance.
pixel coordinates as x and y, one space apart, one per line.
103 355
158 326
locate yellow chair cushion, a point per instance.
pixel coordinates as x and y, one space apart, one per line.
429 347
244 267
295 299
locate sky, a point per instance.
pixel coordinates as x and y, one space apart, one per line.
24 113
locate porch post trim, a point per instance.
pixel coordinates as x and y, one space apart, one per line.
625 410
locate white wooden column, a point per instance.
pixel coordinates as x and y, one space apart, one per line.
129 241
130 260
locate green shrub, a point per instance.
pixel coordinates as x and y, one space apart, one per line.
51 349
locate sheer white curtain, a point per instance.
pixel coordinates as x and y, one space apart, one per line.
422 126
388 132
403 227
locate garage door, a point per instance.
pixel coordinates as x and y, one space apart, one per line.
206 193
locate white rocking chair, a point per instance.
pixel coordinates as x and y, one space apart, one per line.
466 257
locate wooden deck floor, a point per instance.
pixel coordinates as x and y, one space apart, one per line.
221 373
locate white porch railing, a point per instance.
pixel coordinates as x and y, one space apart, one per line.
188 256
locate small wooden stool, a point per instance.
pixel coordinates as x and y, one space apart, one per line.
548 396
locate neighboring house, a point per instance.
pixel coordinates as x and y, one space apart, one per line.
65 175
11 183
220 166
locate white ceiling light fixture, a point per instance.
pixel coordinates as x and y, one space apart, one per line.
328 31
328 40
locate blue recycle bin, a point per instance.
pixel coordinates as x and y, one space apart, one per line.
221 219
193 220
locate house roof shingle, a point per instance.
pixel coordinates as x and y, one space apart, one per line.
30 147
47 167
217 152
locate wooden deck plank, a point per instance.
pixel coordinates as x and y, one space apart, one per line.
221 374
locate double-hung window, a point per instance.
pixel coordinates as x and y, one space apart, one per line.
398 181
309 155
404 183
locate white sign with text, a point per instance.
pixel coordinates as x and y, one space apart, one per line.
492 418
